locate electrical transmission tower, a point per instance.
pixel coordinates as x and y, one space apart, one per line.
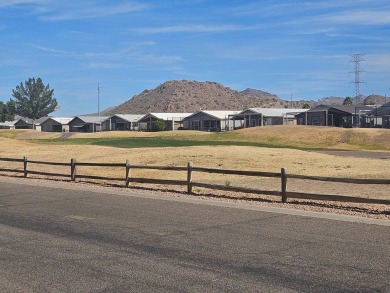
356 60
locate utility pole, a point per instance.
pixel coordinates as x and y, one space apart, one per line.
98 89
356 60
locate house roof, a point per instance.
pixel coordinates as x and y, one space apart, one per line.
129 117
30 121
275 112
380 111
215 114
220 114
167 116
91 119
60 120
11 123
351 109
8 123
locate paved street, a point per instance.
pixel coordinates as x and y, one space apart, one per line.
56 238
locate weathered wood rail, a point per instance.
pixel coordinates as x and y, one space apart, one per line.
128 179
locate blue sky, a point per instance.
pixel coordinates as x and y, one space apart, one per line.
294 49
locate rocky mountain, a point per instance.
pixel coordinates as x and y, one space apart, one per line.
361 100
331 101
376 100
191 96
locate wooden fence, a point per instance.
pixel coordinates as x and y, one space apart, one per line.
128 179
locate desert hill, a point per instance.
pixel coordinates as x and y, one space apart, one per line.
191 96
362 100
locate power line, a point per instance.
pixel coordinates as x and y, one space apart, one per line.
356 60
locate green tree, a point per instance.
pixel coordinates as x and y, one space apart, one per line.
33 99
368 102
348 101
159 125
7 111
306 106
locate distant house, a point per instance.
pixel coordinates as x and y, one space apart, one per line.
173 121
210 120
27 123
8 124
378 117
252 117
87 124
56 124
334 115
122 122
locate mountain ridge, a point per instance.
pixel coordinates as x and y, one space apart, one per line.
188 96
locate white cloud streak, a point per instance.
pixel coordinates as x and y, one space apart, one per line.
357 17
10 3
55 10
115 59
90 10
195 29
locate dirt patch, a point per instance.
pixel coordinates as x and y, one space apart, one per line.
359 154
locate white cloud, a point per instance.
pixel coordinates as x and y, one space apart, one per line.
51 50
90 10
55 10
195 29
126 57
10 3
357 17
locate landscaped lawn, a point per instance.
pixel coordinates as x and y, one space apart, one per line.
151 142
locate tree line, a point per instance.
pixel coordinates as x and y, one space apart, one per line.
31 99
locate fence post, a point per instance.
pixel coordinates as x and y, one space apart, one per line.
189 177
25 166
128 173
73 170
284 185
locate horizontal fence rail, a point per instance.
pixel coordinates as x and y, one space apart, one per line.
74 168
11 160
341 180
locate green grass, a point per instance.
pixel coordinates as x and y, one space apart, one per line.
159 142
148 142
347 140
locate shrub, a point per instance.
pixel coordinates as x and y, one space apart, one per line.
159 125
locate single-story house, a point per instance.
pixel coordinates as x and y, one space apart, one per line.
252 117
56 124
210 120
122 122
87 123
334 115
378 116
173 121
8 124
27 123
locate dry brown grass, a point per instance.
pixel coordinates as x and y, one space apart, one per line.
224 157
327 137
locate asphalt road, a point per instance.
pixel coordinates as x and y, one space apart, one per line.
58 238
